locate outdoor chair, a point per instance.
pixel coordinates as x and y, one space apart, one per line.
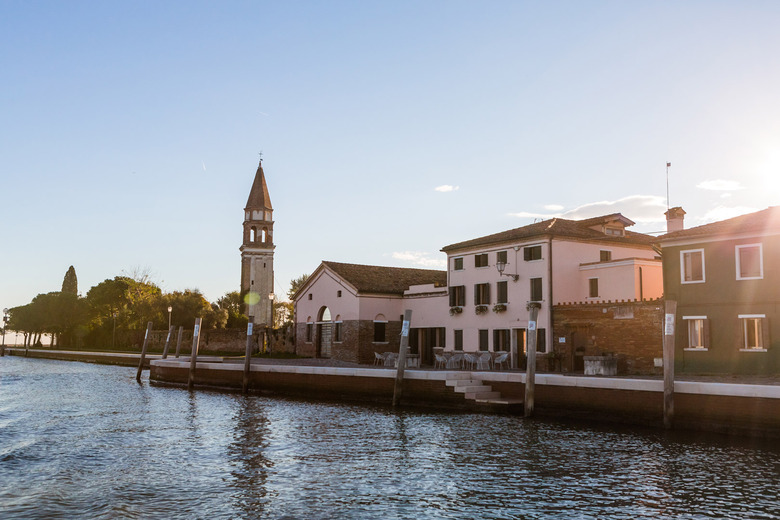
390 359
440 362
379 359
483 363
501 360
469 360
455 361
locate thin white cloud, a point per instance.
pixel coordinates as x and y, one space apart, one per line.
724 212
720 185
639 208
419 258
444 188
528 214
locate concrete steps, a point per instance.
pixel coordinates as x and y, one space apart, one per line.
482 394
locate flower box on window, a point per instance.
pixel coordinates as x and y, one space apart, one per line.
481 309
499 307
455 310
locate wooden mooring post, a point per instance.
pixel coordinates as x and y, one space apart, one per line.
248 358
194 353
143 352
530 364
669 316
399 377
178 340
167 342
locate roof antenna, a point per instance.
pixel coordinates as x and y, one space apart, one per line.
261 157
668 165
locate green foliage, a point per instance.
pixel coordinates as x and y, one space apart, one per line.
70 284
232 304
296 284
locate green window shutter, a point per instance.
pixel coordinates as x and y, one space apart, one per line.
706 333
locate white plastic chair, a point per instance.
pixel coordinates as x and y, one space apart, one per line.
483 363
501 359
440 362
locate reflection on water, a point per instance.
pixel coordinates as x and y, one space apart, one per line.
86 441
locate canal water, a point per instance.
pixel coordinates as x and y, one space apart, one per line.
87 441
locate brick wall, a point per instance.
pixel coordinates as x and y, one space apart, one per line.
632 331
357 345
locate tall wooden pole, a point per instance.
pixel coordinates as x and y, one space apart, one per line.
194 353
143 352
530 365
399 378
167 342
248 357
669 317
178 340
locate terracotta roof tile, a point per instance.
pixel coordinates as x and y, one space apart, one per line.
556 227
386 280
764 221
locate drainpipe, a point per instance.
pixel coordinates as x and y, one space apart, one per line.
641 289
550 292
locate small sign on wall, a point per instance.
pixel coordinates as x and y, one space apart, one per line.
562 340
669 325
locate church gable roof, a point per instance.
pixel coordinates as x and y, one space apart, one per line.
258 196
385 280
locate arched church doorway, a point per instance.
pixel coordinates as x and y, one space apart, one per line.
324 333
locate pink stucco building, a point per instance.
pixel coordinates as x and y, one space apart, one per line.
480 302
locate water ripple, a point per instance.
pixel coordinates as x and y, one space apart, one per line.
86 441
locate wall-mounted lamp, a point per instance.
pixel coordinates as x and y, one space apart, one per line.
501 266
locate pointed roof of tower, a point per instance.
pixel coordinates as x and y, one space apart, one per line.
258 197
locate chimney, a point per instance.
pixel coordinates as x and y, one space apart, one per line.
674 219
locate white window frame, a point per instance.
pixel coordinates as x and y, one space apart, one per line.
682 267
690 320
760 335
760 261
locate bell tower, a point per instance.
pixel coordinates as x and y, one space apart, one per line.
257 253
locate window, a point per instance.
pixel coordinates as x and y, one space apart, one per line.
755 332
750 264
481 294
501 256
536 289
458 340
692 266
481 260
337 331
309 332
501 293
618 232
310 297
483 340
541 340
605 256
532 253
457 264
593 287
380 332
501 340
698 332
458 296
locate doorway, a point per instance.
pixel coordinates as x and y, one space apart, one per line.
518 346
324 333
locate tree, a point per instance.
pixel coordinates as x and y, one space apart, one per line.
296 284
232 304
70 284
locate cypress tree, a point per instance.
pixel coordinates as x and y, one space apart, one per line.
70 284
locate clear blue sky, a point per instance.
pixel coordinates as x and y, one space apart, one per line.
131 130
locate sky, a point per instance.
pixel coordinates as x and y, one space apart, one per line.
130 132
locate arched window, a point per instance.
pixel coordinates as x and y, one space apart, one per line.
253 234
380 329
263 234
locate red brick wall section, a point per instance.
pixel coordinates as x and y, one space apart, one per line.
357 345
632 331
